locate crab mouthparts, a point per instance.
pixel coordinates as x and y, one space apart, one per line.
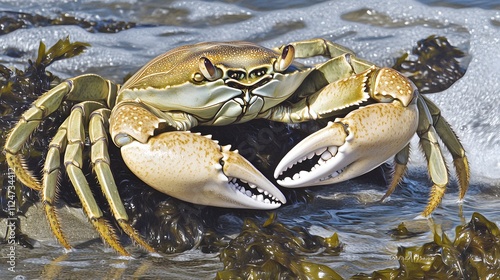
310 169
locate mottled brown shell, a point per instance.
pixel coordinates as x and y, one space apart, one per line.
180 64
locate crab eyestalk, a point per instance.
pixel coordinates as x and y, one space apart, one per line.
285 59
196 169
208 69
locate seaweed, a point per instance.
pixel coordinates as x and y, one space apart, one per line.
19 88
474 254
434 65
274 251
11 21
169 225
402 232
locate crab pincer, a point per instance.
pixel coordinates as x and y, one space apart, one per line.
196 169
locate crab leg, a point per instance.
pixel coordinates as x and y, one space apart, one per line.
431 127
51 173
82 88
322 47
196 169
101 162
453 145
73 163
400 167
438 171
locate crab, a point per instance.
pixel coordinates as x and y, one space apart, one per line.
373 113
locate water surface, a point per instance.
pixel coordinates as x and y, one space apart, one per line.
378 31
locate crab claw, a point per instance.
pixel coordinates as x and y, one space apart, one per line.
196 169
350 146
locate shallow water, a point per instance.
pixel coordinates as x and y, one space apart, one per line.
378 31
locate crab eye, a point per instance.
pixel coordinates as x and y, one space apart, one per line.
208 69
285 59
258 73
237 75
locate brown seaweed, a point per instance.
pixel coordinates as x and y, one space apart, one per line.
11 21
433 66
474 254
275 251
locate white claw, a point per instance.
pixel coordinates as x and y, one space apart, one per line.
187 166
351 146
222 177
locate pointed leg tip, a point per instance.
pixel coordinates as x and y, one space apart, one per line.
135 236
107 233
385 198
17 163
55 226
431 207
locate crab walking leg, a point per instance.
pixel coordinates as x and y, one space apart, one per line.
82 88
400 167
73 162
453 145
101 162
51 176
322 47
29 121
435 160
